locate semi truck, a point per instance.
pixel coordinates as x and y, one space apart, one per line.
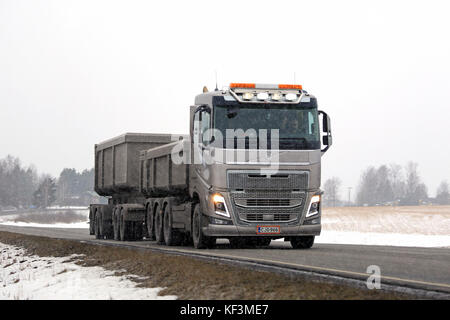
248 171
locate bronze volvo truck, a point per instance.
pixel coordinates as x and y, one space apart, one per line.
249 171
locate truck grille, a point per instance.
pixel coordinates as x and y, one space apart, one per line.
286 180
274 217
267 205
268 202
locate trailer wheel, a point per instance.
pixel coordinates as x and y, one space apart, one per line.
125 227
159 233
150 220
116 226
98 227
303 242
200 240
171 236
91 221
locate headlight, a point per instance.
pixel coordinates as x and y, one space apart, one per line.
220 207
313 206
247 96
262 96
276 96
291 96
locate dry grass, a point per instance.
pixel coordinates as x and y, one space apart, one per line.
427 220
190 278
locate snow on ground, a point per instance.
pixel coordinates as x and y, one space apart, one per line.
383 239
70 217
417 226
78 225
32 277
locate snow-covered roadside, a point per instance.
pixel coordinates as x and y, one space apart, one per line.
77 225
33 277
71 218
383 239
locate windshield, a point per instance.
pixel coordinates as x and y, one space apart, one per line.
297 124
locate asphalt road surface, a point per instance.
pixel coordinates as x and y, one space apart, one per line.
411 267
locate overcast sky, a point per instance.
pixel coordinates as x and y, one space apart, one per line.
74 73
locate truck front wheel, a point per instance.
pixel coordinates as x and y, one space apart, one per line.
304 242
200 240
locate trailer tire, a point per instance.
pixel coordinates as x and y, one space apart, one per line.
125 227
106 228
150 221
159 233
302 242
116 225
200 240
91 221
98 226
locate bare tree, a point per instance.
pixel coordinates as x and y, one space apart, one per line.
331 191
415 191
367 187
443 193
397 181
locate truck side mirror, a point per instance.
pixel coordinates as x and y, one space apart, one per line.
327 139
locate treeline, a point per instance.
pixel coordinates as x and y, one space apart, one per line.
391 184
22 187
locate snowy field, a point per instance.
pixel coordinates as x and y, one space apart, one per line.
417 226
25 277
54 217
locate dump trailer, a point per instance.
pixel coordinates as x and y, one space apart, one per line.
248 171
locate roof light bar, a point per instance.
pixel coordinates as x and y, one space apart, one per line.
290 86
242 85
266 86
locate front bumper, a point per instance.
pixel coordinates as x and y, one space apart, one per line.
214 230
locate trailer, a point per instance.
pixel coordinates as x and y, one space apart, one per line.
197 188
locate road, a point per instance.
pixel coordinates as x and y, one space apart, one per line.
409 267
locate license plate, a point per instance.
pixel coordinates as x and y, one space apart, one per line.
267 229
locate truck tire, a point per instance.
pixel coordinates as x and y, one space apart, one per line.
150 221
91 221
200 240
126 227
116 226
106 228
171 236
98 225
303 242
159 233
